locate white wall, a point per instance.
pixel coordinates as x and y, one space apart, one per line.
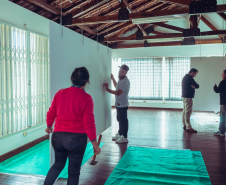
18 16
210 69
170 51
66 54
15 140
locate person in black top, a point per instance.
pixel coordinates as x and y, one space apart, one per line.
222 90
188 92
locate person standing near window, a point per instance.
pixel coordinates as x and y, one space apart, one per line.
222 90
121 103
72 110
188 92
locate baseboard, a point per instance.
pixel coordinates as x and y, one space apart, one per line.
22 148
152 108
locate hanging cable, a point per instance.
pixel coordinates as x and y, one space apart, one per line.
61 17
82 25
200 46
107 30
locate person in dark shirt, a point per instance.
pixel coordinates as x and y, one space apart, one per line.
188 92
222 90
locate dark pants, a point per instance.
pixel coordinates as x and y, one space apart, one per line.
123 121
222 119
67 144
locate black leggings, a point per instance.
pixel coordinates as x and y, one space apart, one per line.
67 144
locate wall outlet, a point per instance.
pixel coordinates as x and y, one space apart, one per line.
25 134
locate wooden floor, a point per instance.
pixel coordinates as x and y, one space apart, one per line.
150 128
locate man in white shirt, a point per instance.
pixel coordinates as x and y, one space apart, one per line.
121 103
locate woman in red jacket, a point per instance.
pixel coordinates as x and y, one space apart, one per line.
72 111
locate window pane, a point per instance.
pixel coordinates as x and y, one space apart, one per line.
175 69
145 77
39 78
13 80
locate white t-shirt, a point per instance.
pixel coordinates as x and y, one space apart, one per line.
123 99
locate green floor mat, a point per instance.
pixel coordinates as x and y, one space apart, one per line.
35 160
145 166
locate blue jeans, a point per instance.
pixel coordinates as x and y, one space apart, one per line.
67 144
222 119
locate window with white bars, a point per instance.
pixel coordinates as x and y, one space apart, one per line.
24 79
175 69
154 78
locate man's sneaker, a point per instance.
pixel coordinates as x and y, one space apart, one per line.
218 134
122 140
116 136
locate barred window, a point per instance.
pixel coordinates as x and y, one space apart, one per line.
154 78
24 86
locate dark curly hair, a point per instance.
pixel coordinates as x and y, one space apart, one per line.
80 76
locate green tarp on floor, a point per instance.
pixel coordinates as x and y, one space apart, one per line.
35 160
144 166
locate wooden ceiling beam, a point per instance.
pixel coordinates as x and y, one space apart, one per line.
83 27
209 24
145 3
113 18
90 6
121 32
155 44
46 6
51 1
179 2
168 35
168 26
117 28
200 16
131 11
174 43
208 41
146 26
222 15
72 7
157 7
193 21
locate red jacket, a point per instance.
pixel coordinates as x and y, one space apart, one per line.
73 110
